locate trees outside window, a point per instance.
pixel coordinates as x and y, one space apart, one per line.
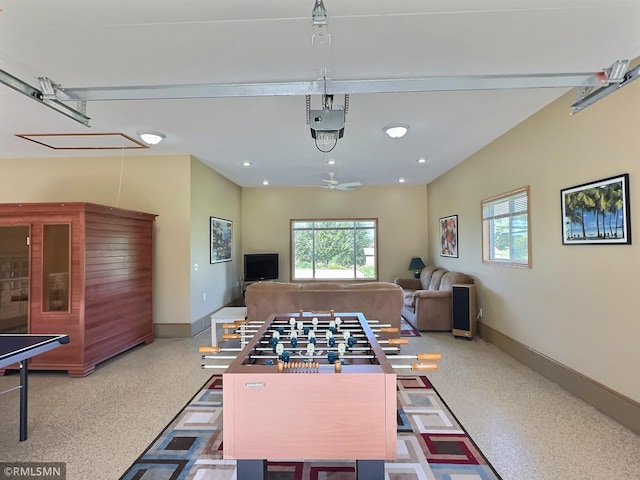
334 249
505 229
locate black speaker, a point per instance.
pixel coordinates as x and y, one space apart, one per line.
464 310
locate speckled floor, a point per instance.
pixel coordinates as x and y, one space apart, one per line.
529 428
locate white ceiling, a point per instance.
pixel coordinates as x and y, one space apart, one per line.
103 43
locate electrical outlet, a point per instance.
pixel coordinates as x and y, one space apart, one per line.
204 297
480 312
195 267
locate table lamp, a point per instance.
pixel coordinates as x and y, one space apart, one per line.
416 265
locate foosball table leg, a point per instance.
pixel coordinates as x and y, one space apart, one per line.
252 470
370 469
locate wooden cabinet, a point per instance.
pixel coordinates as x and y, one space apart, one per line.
14 285
90 276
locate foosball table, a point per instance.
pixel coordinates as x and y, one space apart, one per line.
310 386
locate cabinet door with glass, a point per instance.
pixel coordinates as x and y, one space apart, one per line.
14 279
55 267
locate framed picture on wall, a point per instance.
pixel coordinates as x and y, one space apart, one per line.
597 212
449 236
221 239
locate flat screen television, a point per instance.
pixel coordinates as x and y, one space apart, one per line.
260 266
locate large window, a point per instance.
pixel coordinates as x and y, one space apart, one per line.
505 229
334 249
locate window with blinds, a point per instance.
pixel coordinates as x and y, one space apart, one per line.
505 229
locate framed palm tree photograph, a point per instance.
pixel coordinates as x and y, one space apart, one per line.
597 212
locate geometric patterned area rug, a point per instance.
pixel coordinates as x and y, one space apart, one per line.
432 445
407 330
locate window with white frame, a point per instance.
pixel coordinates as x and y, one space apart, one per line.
505 229
343 249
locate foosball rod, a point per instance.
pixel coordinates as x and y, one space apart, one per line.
319 325
302 337
324 322
320 339
412 366
309 320
271 357
382 329
394 341
351 349
417 366
418 356
304 347
212 349
335 349
245 335
221 357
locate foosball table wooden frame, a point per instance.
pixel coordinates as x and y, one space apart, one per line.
332 412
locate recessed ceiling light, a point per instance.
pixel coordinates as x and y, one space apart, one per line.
265 182
396 131
422 160
401 180
246 164
150 137
331 162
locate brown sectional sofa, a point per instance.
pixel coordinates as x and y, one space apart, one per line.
427 300
376 300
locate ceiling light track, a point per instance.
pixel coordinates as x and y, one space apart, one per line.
333 87
582 81
47 97
585 100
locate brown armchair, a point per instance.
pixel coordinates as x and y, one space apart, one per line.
427 300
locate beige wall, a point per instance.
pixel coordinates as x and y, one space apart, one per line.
577 304
152 184
400 210
213 195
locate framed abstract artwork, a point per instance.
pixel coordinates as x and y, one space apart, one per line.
221 232
449 236
597 212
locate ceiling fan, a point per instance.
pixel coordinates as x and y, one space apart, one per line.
333 184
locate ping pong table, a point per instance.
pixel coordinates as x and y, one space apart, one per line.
20 347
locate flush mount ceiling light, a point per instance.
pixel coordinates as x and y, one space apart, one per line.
246 164
150 137
396 131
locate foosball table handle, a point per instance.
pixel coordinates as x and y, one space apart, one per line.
424 366
429 356
389 330
231 336
206 349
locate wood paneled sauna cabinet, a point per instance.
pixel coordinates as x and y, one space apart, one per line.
80 269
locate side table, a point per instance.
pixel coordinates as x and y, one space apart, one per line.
225 315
